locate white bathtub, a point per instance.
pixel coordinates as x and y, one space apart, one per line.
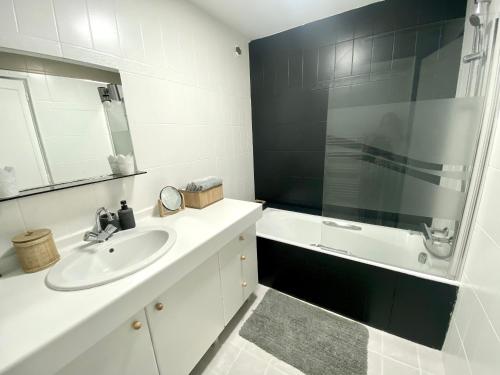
391 248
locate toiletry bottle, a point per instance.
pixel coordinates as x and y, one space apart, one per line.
126 215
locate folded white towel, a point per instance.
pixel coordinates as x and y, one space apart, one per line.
203 184
121 164
8 183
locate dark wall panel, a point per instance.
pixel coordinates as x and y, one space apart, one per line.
293 71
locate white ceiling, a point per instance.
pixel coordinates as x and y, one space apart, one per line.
259 18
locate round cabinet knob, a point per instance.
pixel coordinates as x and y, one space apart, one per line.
159 306
242 238
244 284
243 257
136 325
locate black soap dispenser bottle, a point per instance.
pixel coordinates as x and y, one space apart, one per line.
126 216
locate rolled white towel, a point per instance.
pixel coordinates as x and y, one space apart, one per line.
121 164
203 184
8 183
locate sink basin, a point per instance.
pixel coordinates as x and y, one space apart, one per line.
93 264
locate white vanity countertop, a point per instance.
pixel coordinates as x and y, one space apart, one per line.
42 329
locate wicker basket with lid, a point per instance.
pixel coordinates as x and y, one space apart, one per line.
36 249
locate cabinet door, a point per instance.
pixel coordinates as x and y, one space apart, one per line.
231 278
238 268
125 351
187 319
249 263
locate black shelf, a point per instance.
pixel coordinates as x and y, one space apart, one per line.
69 185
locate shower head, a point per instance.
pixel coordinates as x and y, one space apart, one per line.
480 10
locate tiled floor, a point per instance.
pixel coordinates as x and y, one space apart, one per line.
387 354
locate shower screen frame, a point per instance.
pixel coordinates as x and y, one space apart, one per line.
489 116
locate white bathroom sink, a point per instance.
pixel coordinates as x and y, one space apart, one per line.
93 264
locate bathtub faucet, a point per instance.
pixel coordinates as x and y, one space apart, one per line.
439 242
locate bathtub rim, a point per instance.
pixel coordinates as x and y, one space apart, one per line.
421 275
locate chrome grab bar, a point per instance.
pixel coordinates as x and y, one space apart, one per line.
341 225
328 248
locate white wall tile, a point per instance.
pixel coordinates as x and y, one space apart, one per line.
464 308
11 224
130 30
477 311
152 37
103 26
490 204
21 42
7 19
36 18
482 346
482 273
454 359
73 22
91 56
64 212
172 58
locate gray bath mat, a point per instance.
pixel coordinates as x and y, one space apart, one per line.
306 337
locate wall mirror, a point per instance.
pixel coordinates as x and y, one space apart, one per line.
61 125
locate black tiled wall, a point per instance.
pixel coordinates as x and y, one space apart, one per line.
292 72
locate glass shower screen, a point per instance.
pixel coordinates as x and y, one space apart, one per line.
400 143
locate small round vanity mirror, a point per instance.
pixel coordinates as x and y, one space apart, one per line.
171 198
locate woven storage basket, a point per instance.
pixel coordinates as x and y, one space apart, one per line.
201 199
35 249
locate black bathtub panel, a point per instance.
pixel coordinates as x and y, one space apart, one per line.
407 306
350 288
422 309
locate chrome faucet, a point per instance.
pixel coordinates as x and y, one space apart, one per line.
438 241
100 235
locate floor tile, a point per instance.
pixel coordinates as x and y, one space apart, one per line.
374 363
375 340
430 360
285 368
218 360
258 352
274 371
387 354
248 364
400 349
392 367
225 358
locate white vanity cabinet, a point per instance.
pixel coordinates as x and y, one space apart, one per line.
249 268
176 329
187 319
126 351
238 271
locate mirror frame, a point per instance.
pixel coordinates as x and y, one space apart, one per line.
180 196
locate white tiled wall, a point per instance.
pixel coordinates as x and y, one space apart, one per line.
473 342
187 97
472 345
